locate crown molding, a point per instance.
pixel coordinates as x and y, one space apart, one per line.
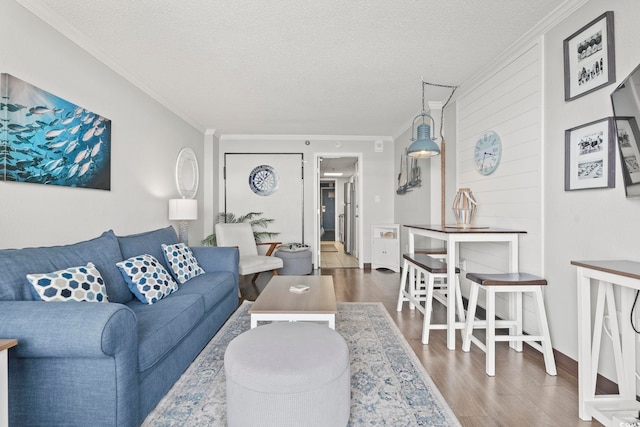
344 138
532 36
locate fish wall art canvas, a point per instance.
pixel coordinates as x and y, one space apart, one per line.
45 139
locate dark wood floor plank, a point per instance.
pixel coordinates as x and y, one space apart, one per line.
521 393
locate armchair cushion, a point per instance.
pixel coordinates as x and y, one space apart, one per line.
258 263
239 235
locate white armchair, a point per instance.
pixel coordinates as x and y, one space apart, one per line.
240 235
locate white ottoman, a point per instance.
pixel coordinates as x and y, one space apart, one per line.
288 374
296 263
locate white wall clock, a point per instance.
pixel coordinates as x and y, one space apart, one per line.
187 176
263 180
487 153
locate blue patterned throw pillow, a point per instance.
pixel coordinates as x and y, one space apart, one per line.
147 278
82 283
183 264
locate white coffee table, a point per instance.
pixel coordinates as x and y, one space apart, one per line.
278 303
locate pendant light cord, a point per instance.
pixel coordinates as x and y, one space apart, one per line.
453 90
633 307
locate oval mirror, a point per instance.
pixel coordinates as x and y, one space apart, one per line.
187 175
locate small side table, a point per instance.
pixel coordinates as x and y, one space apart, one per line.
5 345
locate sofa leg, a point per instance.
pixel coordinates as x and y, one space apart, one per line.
255 276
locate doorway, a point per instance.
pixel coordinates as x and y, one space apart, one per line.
338 219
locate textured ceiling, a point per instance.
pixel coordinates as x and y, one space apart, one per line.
329 67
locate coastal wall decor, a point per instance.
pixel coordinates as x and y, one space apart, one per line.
590 155
45 139
589 57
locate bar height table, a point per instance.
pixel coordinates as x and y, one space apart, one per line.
453 236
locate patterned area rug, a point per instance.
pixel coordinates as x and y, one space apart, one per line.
389 386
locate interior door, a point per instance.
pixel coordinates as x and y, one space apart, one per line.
268 183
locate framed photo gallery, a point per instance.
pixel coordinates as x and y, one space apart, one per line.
590 155
589 57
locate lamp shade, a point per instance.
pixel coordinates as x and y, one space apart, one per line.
183 209
423 146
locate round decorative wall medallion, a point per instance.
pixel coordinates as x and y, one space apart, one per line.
263 180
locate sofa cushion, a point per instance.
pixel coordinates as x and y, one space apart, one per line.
147 278
82 283
103 252
212 286
163 325
183 264
148 242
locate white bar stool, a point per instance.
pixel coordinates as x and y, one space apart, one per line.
417 285
516 284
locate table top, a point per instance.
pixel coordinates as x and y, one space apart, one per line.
7 343
473 229
619 267
276 297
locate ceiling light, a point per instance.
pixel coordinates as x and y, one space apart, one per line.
424 145
332 174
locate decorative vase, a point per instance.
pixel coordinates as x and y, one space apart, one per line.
464 207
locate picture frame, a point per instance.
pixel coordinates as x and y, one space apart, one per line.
589 58
628 137
590 155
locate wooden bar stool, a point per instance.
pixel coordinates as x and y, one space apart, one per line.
417 285
516 284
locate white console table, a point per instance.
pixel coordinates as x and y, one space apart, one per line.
608 408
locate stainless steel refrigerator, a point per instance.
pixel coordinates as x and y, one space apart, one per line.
349 218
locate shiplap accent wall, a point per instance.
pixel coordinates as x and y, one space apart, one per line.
507 101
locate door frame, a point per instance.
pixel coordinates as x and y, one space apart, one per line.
317 208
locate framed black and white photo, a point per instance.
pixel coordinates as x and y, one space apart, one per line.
589 57
590 155
628 138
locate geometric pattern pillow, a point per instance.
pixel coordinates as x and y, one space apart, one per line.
73 284
147 278
184 265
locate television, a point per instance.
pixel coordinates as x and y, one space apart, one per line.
626 111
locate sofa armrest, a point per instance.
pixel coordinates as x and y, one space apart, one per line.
70 329
217 258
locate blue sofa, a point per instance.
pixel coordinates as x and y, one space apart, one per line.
106 364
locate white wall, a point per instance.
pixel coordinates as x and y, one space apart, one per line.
146 139
376 168
507 101
586 224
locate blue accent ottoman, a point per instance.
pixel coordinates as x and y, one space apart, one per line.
288 374
296 263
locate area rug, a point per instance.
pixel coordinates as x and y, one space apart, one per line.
328 247
389 386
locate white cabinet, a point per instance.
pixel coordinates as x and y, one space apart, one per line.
385 247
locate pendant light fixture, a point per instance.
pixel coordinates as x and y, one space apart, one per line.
424 146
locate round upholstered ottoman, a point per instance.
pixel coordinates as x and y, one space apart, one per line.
288 374
295 262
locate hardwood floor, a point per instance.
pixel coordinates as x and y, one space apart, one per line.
337 258
521 393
